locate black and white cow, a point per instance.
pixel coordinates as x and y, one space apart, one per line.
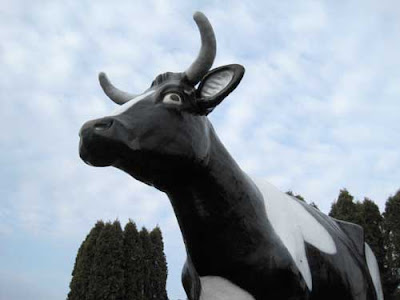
245 240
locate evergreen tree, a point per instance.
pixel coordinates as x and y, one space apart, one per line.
345 209
115 265
133 267
83 264
107 276
158 269
391 225
146 263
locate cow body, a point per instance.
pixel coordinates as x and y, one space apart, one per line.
341 274
264 243
244 240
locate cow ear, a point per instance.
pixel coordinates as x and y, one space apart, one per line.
217 84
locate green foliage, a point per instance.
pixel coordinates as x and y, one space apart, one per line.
83 264
107 276
133 253
113 264
345 208
158 267
146 262
391 225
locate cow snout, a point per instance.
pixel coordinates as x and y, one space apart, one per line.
103 124
99 140
100 126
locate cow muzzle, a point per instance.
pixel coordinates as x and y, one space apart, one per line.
98 144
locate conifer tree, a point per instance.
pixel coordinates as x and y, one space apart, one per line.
158 269
391 225
133 259
345 209
115 265
83 264
107 276
146 263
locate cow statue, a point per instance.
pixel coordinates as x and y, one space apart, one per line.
245 240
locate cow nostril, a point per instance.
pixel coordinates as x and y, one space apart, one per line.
103 124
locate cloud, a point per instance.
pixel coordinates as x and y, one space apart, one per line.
316 111
17 286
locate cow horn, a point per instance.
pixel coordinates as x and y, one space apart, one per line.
112 92
208 49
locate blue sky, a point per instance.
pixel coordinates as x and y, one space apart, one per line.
317 111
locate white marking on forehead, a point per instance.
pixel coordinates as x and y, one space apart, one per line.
294 225
124 107
218 288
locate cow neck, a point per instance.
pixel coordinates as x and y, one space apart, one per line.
219 201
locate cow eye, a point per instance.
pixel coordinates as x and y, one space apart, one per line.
172 98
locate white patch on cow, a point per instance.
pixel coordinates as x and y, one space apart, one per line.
295 225
124 107
218 288
374 271
216 83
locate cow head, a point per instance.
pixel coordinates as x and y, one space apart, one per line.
159 135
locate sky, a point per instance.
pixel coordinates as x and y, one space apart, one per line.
317 111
